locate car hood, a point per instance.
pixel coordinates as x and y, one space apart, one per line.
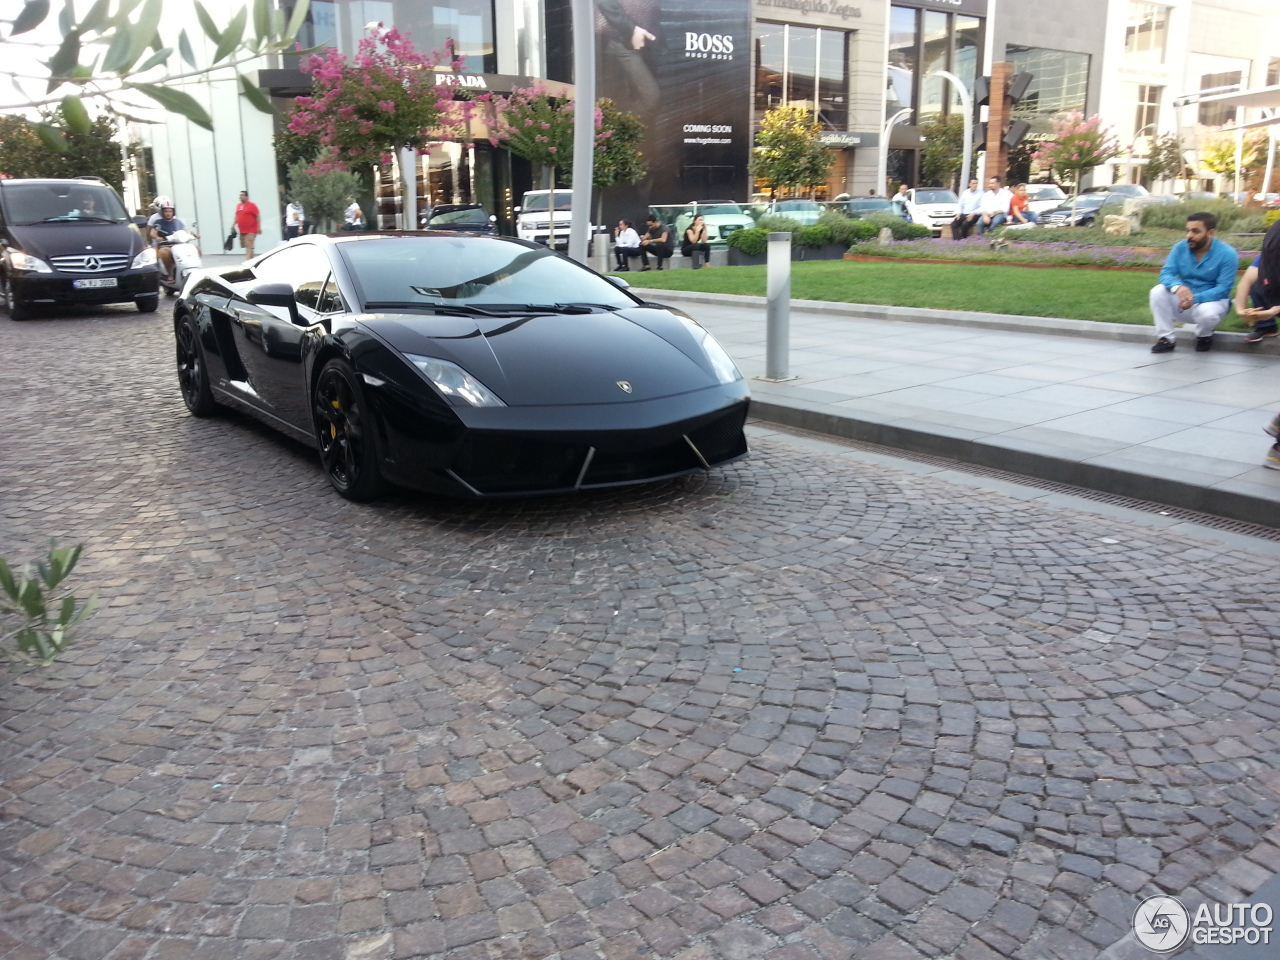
559 359
45 240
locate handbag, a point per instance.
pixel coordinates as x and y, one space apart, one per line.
230 241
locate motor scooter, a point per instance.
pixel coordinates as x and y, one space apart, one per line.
186 258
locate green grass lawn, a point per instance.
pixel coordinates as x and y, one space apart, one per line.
1109 295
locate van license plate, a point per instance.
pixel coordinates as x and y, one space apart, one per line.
96 282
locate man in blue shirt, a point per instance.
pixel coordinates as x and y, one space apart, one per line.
970 210
1195 284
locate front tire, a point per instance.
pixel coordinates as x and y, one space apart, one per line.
16 309
147 304
346 433
193 375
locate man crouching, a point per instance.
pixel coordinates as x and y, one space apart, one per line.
1195 284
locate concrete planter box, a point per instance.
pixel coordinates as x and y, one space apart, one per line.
832 251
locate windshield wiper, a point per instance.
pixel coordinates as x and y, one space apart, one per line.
454 309
576 307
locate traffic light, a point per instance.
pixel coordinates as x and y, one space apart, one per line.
1018 84
982 91
1015 133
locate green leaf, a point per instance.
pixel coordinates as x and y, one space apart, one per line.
175 101
7 582
206 22
184 47
298 18
231 36
261 19
63 61
118 50
31 16
76 115
254 95
32 601
51 137
144 32
157 58
96 18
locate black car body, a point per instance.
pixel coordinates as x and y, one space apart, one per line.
463 365
461 218
1087 209
71 241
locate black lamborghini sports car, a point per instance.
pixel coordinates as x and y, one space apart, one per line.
464 365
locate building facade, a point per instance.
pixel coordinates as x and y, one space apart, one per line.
702 75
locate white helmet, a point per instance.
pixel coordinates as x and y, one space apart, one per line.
160 202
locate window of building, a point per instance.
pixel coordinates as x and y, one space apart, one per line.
904 35
1219 75
922 42
1146 30
1147 112
1273 71
1060 84
803 66
968 51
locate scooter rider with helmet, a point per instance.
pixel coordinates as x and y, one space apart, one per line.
161 231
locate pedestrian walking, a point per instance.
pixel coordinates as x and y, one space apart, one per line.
1261 285
1195 284
248 223
294 218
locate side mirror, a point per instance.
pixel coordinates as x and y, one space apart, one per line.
275 295
516 209
139 221
619 282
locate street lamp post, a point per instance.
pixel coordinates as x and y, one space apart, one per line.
966 103
896 119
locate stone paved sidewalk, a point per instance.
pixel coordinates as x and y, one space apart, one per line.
816 706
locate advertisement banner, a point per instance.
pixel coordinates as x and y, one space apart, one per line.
685 69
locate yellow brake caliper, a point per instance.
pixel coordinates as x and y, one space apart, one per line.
333 430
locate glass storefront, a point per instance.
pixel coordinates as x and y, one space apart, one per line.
1059 85
922 42
803 66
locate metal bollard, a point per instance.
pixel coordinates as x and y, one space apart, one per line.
601 251
778 308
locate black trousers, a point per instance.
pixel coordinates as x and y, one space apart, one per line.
961 225
659 252
622 253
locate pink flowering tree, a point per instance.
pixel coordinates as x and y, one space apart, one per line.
1078 144
539 127
385 100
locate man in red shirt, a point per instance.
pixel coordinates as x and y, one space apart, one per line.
247 223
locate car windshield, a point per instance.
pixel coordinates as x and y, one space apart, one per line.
798 205
471 271
59 202
1045 192
533 202
872 203
718 209
935 196
1094 199
473 215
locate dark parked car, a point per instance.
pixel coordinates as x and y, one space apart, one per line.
71 241
462 365
1087 209
859 207
461 218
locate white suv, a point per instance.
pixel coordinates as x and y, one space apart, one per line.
933 207
537 221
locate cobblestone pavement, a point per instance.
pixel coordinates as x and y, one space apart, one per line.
804 708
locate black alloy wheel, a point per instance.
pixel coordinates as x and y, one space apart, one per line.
16 309
193 377
345 433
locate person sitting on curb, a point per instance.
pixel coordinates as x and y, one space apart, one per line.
970 210
1195 284
626 244
995 206
655 243
1261 283
1018 211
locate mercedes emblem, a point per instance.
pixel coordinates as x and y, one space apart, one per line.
92 263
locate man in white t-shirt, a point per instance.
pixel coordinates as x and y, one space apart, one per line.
995 205
294 217
970 210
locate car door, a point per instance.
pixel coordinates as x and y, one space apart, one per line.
269 339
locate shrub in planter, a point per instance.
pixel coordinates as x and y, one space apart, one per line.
914 231
776 224
860 231
902 230
816 236
1174 215
752 241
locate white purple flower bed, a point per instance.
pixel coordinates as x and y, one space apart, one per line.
978 250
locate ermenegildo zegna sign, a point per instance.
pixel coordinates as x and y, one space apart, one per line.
685 68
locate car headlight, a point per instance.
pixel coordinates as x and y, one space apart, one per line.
24 261
146 258
451 380
725 369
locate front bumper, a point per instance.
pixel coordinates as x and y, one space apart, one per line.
504 452
59 288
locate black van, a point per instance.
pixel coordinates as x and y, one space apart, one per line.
71 241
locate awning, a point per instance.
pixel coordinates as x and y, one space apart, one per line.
1258 97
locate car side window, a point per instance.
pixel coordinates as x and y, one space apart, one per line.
304 267
330 299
